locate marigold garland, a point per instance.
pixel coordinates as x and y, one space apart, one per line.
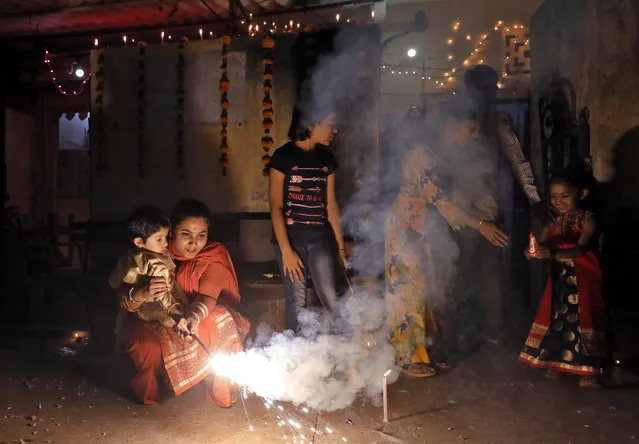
99 106
179 136
141 105
224 105
267 104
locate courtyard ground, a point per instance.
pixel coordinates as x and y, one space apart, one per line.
490 398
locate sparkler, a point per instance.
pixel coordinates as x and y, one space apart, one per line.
293 422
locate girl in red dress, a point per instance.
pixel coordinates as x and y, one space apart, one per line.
568 334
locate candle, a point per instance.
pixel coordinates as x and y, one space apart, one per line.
385 395
532 248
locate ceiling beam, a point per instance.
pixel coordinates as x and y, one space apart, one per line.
36 13
164 26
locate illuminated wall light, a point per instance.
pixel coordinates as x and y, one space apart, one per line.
373 14
201 32
392 72
422 77
124 39
429 78
337 17
95 42
211 33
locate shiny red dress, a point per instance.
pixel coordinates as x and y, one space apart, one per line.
568 333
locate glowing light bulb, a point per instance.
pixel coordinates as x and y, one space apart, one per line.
450 57
411 53
373 14
201 32
337 17
291 23
449 41
465 62
95 42
124 39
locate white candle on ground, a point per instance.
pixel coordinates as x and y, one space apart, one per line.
385 395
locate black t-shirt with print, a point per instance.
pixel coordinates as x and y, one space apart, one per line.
305 187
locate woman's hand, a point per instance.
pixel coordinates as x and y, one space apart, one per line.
493 234
150 291
157 286
292 265
187 327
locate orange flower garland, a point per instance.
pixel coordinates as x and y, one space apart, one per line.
224 105
99 106
267 104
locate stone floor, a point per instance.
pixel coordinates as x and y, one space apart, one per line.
491 398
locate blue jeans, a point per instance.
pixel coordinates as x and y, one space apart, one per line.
321 265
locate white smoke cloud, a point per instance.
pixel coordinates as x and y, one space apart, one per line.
322 371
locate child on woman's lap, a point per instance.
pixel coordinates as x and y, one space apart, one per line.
148 231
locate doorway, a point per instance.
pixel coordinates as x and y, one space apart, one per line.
73 166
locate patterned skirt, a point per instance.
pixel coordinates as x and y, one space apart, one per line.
561 347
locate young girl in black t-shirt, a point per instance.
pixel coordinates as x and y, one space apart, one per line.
305 214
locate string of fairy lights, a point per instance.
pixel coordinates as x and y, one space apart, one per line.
251 26
445 77
441 77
